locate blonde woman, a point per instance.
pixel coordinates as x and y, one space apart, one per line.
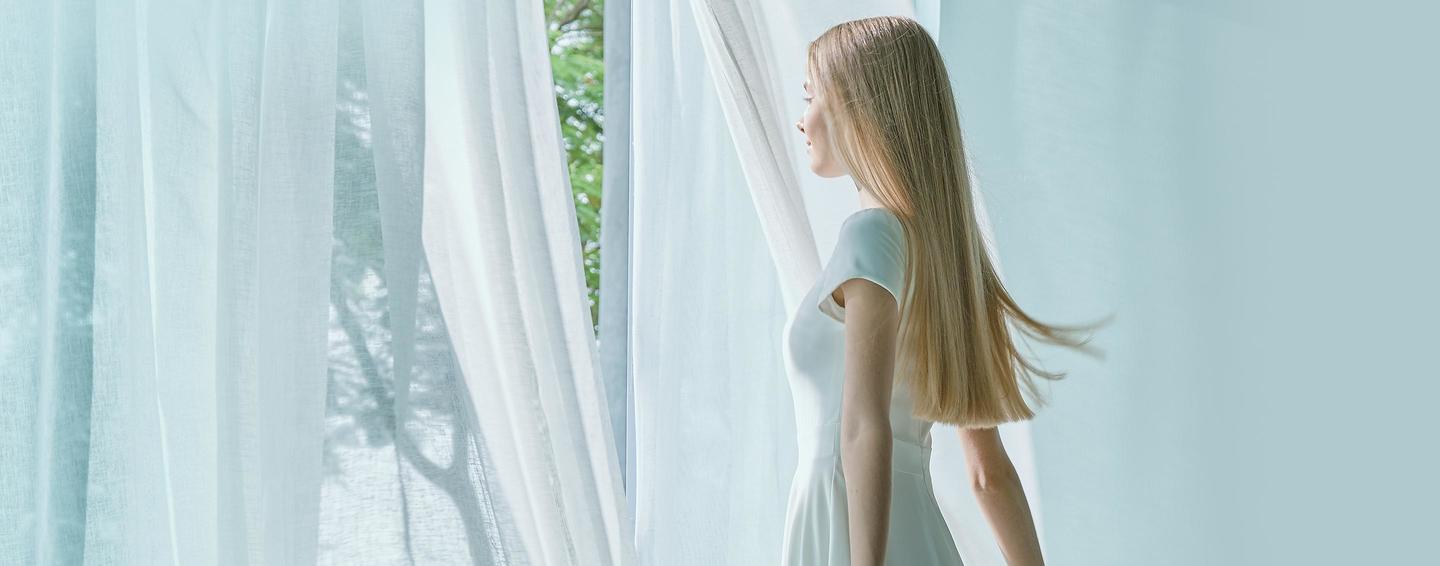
871 372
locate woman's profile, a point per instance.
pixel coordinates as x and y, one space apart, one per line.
908 323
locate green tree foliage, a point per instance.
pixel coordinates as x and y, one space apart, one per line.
577 56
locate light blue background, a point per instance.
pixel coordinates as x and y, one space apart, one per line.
1250 188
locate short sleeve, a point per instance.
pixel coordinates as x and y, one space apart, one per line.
870 246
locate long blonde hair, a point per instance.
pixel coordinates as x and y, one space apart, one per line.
893 123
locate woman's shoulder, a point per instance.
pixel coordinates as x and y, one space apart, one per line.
871 241
871 229
871 247
872 216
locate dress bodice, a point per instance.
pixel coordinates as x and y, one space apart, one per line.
870 246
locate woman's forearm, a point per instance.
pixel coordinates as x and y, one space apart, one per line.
1002 499
865 457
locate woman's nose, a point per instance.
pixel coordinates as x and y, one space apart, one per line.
800 126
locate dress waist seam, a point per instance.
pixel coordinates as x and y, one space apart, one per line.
823 444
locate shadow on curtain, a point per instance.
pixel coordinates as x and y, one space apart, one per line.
233 331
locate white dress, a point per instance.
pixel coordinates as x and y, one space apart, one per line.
871 246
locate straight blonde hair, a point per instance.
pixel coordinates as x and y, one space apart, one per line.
893 123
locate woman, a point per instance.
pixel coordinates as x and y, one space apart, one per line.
868 382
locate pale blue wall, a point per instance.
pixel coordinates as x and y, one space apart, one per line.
1250 189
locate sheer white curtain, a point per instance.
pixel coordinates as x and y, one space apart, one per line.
713 435
726 223
167 296
503 242
291 283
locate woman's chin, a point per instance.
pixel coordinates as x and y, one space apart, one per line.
819 169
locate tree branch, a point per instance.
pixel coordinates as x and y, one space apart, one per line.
573 14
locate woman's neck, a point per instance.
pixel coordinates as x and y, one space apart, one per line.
867 199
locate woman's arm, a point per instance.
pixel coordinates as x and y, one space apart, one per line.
871 323
1002 499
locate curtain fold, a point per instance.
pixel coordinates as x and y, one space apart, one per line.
615 241
393 39
162 127
738 54
522 325
47 231
261 306
714 435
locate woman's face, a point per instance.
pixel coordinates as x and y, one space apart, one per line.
823 160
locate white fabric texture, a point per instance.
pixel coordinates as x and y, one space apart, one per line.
503 242
686 227
201 297
221 339
737 53
817 528
714 439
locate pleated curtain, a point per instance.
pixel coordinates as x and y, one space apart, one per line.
293 283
